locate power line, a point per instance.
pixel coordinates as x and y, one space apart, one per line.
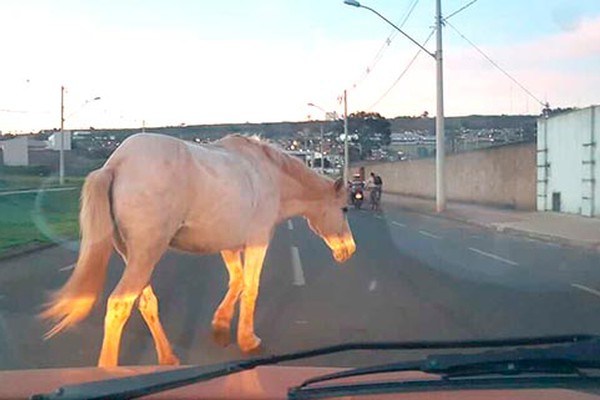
385 45
469 4
13 111
509 76
404 71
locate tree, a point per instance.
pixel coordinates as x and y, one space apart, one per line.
371 129
558 110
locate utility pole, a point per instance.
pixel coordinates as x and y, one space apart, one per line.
440 182
322 155
61 165
345 139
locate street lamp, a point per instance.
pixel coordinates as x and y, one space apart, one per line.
440 186
61 165
322 137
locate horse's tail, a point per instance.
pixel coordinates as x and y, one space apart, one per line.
74 301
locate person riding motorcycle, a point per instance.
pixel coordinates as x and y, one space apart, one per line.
357 184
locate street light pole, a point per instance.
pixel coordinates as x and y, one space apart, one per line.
61 157
61 165
322 154
440 140
322 135
440 184
345 139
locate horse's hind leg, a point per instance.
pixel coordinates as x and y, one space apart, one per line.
221 322
148 306
135 278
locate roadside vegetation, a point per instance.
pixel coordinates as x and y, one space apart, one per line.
31 177
33 219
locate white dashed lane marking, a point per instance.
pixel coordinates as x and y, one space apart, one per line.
586 289
290 224
493 256
68 267
429 235
373 285
297 267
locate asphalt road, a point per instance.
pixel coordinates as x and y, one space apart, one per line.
413 277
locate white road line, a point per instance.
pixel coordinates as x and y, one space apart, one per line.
551 244
431 235
495 257
378 217
399 224
586 289
68 267
297 266
373 285
290 225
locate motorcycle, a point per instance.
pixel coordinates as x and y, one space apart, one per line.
357 196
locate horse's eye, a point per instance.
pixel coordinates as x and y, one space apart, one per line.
345 209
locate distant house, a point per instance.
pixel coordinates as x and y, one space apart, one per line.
54 141
568 162
15 152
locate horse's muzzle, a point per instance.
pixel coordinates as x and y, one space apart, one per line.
343 247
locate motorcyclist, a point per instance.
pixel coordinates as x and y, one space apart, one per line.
354 185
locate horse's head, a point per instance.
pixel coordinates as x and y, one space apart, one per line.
328 219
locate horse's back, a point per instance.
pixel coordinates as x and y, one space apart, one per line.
204 197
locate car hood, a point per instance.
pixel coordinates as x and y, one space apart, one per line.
269 382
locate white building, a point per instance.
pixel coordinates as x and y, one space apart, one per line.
54 141
15 152
568 162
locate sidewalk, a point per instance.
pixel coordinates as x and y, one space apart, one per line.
574 230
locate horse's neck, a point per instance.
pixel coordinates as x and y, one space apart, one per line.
300 193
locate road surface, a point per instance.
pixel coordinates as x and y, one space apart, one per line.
413 277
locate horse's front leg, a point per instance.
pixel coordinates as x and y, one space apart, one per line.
221 322
254 257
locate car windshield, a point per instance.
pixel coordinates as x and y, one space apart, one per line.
196 182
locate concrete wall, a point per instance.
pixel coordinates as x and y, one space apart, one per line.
15 152
568 156
501 176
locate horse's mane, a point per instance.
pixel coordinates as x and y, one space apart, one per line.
287 163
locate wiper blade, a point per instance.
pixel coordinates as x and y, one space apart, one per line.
555 360
146 384
389 387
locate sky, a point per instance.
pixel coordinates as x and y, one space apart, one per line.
189 62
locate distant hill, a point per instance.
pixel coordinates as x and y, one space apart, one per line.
288 129
400 124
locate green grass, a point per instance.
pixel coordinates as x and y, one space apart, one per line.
31 218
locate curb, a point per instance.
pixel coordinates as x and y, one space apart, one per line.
549 238
25 250
502 229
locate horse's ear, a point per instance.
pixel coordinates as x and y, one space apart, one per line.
338 185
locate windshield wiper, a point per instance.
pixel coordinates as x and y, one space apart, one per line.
549 365
150 383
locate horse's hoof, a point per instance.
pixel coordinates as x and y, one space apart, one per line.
170 360
250 344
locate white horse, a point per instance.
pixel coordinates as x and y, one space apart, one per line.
157 192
